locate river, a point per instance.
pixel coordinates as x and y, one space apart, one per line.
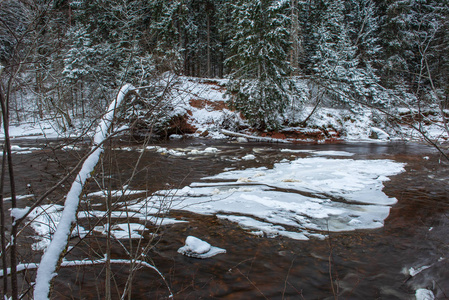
376 262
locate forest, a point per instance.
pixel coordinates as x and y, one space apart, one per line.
67 59
244 70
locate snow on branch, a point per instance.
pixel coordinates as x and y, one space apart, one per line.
252 137
49 261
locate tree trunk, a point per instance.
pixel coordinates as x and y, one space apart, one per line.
294 52
209 63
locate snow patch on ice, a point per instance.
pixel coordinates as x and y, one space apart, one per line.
183 151
115 193
18 213
249 157
415 271
332 153
19 197
194 247
123 231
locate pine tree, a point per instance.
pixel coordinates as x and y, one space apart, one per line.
259 70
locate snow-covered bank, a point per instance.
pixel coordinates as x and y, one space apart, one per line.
201 108
42 129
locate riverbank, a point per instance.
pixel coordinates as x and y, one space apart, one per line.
201 108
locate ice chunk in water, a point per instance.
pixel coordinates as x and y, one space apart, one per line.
194 247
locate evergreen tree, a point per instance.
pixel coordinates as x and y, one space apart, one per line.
363 30
187 32
416 39
14 20
260 84
400 44
438 58
109 46
335 58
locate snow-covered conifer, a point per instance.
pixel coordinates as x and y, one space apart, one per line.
336 58
259 69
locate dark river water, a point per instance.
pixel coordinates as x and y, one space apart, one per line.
362 264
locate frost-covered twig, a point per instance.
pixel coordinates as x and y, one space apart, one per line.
47 268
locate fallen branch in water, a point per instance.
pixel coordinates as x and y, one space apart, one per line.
52 256
252 137
76 263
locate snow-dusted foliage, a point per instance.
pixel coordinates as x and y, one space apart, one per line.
106 49
190 36
155 106
335 58
260 86
363 25
415 37
14 22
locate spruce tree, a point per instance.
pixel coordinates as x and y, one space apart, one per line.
260 85
109 45
363 30
188 35
416 51
335 57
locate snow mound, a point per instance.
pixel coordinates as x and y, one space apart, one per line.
378 134
423 294
194 247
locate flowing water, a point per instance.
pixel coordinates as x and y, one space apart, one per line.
359 264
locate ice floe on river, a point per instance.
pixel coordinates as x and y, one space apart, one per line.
298 198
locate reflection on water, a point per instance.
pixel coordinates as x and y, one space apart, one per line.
362 264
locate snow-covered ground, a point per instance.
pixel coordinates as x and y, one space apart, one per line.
203 103
46 129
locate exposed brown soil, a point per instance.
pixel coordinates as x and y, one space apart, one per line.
212 105
182 125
